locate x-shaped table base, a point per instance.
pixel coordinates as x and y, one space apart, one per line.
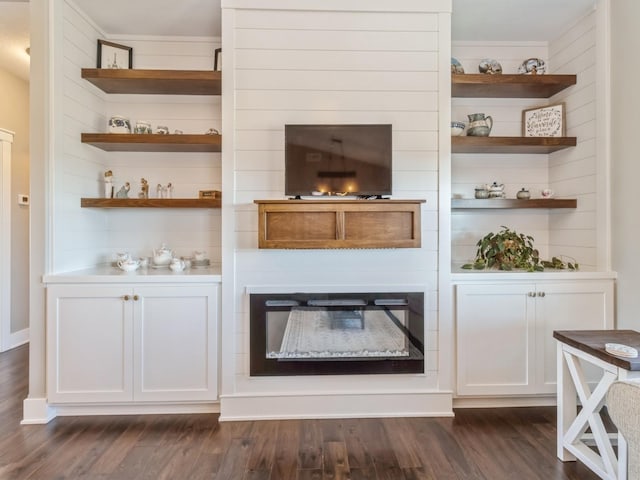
572 425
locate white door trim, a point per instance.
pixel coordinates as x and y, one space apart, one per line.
6 139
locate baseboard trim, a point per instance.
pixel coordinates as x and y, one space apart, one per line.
36 411
376 405
501 402
136 409
16 339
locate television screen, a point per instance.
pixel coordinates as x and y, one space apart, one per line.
337 160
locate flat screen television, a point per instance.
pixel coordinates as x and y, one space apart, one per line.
352 160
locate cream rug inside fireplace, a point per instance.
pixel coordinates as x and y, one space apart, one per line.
313 333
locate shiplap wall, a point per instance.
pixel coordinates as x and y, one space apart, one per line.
573 172
333 67
556 232
515 171
86 237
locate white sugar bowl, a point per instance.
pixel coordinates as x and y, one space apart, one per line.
177 265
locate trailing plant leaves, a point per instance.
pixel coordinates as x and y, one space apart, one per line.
508 249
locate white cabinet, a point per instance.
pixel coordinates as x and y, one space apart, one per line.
504 331
124 343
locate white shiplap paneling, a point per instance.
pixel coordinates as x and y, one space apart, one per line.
85 237
332 67
574 172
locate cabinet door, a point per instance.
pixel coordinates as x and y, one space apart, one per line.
175 356
89 344
582 305
495 339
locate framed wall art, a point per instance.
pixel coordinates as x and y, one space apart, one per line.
548 121
112 55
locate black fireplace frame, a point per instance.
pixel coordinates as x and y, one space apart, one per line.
260 365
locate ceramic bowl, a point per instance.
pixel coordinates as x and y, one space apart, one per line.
118 124
457 128
489 65
482 193
546 193
143 127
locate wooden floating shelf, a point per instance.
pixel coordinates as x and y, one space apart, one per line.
466 144
133 142
497 203
150 202
162 82
509 86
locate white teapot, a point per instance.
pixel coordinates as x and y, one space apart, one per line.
162 256
177 265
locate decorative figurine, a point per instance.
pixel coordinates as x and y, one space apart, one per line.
144 189
124 191
108 184
169 190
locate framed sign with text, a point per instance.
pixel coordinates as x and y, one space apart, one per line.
548 121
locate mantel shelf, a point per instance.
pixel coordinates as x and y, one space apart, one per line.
132 142
162 82
467 144
502 203
339 223
509 85
150 202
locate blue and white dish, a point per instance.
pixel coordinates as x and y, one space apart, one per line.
532 66
457 128
456 67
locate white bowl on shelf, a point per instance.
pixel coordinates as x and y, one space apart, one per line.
457 128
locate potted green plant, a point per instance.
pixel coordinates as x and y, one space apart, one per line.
508 250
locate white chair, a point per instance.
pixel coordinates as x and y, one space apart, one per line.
623 403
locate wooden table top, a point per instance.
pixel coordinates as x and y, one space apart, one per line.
593 342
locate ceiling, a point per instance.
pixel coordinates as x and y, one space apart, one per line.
191 18
484 20
518 20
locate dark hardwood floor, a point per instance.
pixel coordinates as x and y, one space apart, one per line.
492 444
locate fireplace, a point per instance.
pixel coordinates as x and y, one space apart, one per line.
336 333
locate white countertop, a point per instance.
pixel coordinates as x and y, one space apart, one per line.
459 275
110 274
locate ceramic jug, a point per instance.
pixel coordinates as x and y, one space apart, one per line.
479 125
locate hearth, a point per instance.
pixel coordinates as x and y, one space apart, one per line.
336 333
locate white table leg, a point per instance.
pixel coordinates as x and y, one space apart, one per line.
567 404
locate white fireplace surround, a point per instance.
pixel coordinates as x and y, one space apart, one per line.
343 396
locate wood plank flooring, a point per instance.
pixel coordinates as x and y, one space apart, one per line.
490 444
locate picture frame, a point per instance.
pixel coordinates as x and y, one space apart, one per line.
114 56
547 121
217 60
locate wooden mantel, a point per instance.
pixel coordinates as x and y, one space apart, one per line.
339 223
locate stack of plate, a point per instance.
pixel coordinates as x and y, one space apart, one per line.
621 350
200 263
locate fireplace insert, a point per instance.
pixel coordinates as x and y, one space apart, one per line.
336 333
